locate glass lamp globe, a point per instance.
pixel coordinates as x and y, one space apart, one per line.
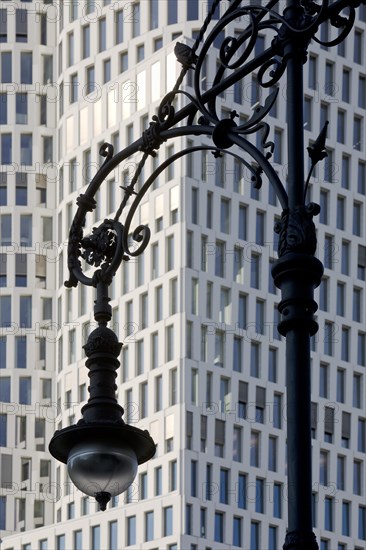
102 470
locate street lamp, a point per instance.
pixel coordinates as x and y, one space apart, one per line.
101 451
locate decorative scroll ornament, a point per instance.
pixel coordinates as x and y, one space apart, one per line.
100 247
297 230
109 244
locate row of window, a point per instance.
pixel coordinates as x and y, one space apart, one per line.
131 15
326 213
21 117
25 148
42 472
20 195
25 67
21 25
21 432
341 385
353 476
25 311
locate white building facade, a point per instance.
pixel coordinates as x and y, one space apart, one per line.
202 365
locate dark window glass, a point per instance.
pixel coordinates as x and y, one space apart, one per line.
192 10
172 12
6 72
26 68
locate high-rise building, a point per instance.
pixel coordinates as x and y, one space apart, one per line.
202 366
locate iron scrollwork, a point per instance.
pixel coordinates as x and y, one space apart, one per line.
108 244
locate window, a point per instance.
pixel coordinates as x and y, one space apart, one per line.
255 267
323 468
328 337
329 167
5 389
154 14
357 477
341 126
158 393
219 527
21 25
341 469
136 20
86 41
6 149
143 400
323 294
158 481
220 259
123 62
341 381
26 230
357 218
172 12
345 171
277 410
26 149
3 38
90 80
323 380
21 108
308 102
172 387
47 149
237 354
6 72
149 526
328 512
272 364
346 518
358 46
25 390
340 212
209 210
26 68
357 133
73 10
106 70
102 44
242 222
3 431
272 453
70 49
5 311
254 535
254 449
119 19
312 75
362 91
21 352
168 521
361 435
277 500
74 88
224 486
131 530
225 215
357 390
237 531
2 349
254 359
362 522
188 519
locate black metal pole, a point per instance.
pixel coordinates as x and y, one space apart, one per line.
296 273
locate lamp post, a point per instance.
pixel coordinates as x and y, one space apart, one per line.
101 451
